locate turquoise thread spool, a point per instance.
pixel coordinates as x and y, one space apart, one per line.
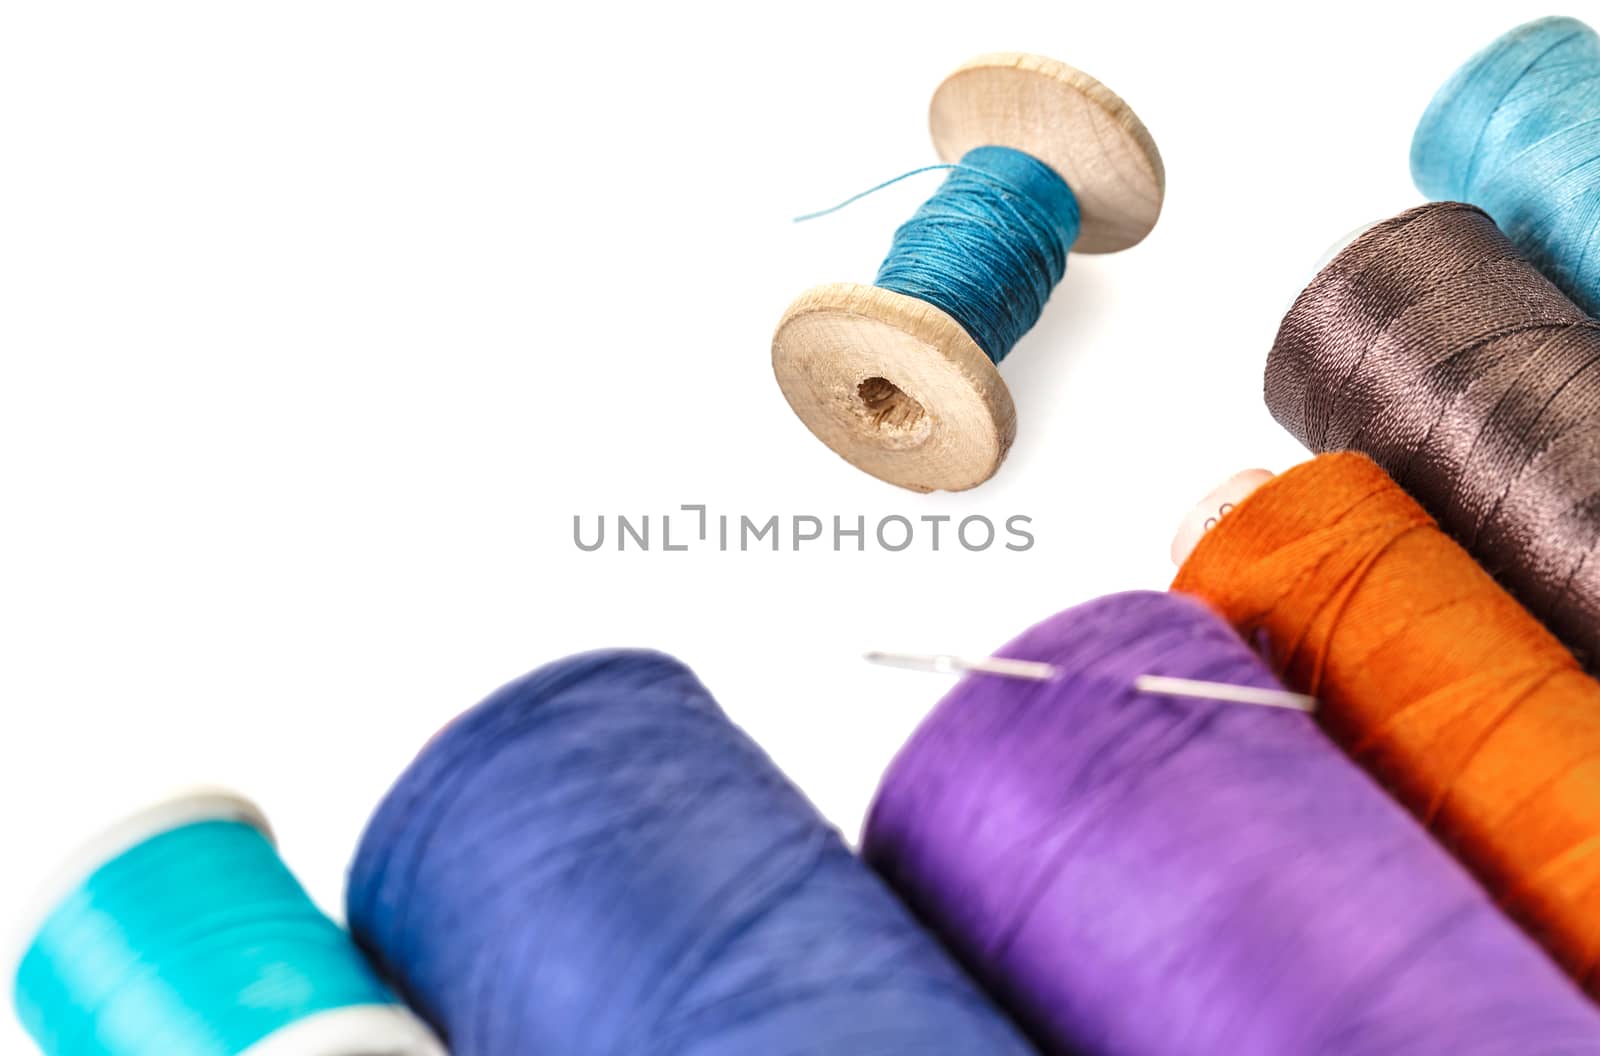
895 384
180 932
1516 132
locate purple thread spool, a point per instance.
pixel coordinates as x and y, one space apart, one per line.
1143 875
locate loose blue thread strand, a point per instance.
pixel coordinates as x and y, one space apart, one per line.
988 247
1516 132
196 942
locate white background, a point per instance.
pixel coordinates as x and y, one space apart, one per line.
320 322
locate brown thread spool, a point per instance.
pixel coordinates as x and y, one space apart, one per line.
1431 345
895 385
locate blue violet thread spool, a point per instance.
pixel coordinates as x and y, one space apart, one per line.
180 932
899 378
597 861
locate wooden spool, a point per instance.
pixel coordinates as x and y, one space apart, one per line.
895 385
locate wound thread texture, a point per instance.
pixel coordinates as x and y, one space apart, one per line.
1431 677
1517 131
1432 346
196 942
988 247
1148 875
595 860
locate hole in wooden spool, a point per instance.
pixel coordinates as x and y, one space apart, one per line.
889 409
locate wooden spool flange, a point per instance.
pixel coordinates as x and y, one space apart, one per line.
895 385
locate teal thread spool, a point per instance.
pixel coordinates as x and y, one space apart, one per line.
896 384
180 932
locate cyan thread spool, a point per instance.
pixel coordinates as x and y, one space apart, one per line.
1516 132
180 932
895 377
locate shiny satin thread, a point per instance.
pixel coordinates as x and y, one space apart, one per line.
197 942
1431 345
1431 676
1517 131
596 861
1143 875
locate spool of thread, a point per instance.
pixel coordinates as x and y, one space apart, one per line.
180 932
1144 875
899 377
1517 131
1431 345
1430 676
595 860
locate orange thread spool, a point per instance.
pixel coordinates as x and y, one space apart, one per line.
1431 676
